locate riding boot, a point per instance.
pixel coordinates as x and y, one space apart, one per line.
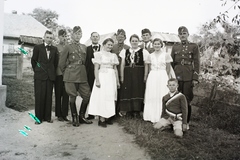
75 121
82 112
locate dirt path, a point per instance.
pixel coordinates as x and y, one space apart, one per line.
61 141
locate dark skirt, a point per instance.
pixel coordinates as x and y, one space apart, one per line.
132 89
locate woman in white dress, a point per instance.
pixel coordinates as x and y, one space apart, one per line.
104 93
156 85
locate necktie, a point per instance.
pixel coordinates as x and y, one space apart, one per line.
48 47
95 48
146 46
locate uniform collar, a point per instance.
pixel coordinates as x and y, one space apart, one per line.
185 42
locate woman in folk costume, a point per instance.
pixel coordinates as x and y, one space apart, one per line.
156 85
104 93
132 73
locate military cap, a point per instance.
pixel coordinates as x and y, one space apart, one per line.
146 31
62 32
121 31
182 29
76 29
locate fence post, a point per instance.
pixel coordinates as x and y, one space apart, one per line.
20 66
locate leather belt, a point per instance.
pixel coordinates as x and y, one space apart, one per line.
183 62
79 62
174 116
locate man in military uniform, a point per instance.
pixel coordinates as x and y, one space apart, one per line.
147 43
61 96
72 64
186 66
117 48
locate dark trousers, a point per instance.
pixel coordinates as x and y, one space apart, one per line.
61 98
186 88
43 99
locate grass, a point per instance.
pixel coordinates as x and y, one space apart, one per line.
201 142
214 132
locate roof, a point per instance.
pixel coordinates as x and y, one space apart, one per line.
16 25
166 37
102 38
30 40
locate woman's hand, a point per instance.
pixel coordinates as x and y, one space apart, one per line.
118 85
98 84
121 79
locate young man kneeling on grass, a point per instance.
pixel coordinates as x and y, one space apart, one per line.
174 110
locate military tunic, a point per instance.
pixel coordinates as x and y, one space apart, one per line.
186 67
186 61
72 64
61 96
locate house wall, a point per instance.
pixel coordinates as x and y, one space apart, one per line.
3 88
10 45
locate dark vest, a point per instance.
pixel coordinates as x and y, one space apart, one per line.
138 58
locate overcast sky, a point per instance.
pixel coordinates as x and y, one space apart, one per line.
105 16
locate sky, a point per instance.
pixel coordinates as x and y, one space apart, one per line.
105 16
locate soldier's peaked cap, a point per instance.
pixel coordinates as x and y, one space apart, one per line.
76 29
182 29
121 31
146 31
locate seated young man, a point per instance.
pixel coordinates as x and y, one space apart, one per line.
174 110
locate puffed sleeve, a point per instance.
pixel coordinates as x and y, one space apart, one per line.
122 53
115 59
145 55
97 58
148 59
168 58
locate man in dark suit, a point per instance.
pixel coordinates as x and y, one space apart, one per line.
95 47
61 96
90 54
72 64
44 62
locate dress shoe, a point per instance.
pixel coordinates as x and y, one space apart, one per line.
50 121
102 124
37 123
82 120
65 119
109 121
90 117
60 119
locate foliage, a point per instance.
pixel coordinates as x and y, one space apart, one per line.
45 16
220 55
223 17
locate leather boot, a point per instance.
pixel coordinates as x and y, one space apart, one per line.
75 121
82 112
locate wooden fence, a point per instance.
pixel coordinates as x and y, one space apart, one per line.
13 65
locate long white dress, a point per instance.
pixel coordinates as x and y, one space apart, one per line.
102 100
156 86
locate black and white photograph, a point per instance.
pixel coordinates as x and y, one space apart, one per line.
120 80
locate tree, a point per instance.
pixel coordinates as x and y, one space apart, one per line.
47 17
223 17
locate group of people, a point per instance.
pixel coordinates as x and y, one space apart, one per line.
116 79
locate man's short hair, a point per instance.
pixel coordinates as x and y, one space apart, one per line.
145 30
173 80
93 33
48 32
